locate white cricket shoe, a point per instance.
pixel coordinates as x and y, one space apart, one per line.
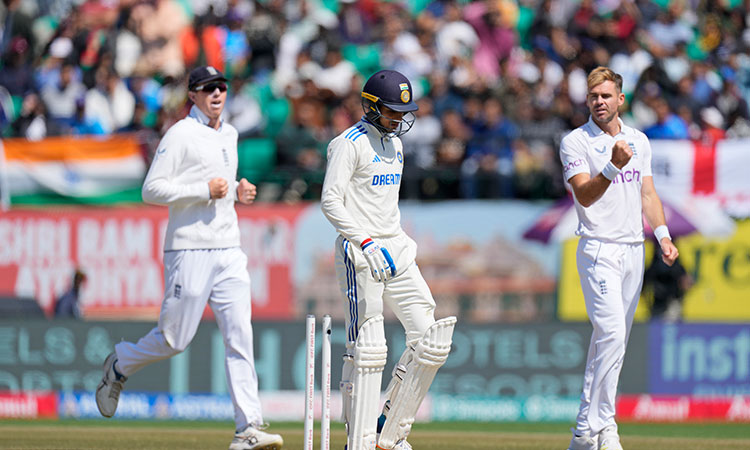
400 445
584 442
108 391
254 438
609 439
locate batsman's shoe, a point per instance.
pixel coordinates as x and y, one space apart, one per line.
609 439
400 445
254 438
108 391
583 442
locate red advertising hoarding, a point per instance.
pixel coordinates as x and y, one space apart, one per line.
120 250
28 405
672 408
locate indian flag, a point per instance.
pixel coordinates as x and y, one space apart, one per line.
71 167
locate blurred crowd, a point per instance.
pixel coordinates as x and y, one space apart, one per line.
498 82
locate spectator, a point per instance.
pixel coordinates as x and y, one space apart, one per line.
336 75
668 31
455 37
110 102
243 110
33 122
301 146
630 62
487 170
669 285
83 124
402 51
443 96
16 73
712 126
67 305
668 125
729 99
419 148
61 97
355 27
534 157
236 48
497 38
739 127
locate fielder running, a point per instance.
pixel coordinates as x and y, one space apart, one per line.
193 172
608 166
375 264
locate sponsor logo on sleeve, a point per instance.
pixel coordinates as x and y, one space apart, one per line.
573 164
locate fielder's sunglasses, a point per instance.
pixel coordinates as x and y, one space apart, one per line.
210 87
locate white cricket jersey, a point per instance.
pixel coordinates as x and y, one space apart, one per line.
363 177
189 156
617 215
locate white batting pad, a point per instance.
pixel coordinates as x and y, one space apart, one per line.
411 385
360 384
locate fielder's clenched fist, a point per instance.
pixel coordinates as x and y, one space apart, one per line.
218 188
246 192
621 154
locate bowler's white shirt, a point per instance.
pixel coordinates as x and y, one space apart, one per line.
189 156
617 215
363 177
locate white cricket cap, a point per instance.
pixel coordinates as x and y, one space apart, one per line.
713 117
61 47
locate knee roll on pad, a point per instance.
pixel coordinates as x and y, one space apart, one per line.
412 379
360 383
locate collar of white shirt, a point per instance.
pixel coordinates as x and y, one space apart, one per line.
203 119
596 131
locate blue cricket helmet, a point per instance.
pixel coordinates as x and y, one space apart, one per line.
393 90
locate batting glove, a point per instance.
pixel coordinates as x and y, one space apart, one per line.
380 261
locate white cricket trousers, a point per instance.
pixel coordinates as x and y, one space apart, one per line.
407 294
611 277
193 278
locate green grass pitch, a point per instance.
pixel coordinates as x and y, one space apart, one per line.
124 434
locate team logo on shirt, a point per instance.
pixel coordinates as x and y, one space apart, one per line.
603 150
632 147
400 157
376 159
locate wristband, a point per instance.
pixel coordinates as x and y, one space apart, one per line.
662 232
610 171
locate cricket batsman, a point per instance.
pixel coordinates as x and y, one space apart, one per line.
375 264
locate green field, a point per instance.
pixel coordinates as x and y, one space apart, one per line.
123 434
